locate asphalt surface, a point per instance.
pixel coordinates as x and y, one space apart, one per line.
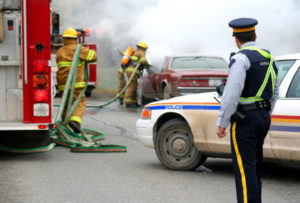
134 176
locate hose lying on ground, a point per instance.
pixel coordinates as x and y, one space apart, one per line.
87 140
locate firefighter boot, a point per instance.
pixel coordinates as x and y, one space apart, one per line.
75 126
121 101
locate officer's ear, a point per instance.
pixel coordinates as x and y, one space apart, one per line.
238 42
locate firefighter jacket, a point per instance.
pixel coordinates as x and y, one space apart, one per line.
64 57
139 56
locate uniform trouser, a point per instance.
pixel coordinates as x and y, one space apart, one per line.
130 94
247 138
122 81
79 111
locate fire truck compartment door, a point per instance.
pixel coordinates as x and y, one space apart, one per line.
10 46
10 4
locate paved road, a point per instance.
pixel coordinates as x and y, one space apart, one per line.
134 176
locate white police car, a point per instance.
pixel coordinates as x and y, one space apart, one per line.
183 129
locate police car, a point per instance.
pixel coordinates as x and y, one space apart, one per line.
182 130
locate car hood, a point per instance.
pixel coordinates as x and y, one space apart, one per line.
209 97
222 73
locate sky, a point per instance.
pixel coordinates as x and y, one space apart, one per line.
176 26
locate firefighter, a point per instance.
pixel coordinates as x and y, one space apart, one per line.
64 58
125 62
249 97
138 57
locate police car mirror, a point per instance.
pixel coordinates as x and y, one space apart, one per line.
220 89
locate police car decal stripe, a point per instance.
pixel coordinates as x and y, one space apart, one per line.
184 106
288 119
285 128
285 123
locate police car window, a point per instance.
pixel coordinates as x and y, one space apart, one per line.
284 67
202 63
294 89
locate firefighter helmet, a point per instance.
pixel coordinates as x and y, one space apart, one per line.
143 45
70 33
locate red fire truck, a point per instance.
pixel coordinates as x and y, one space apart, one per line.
25 73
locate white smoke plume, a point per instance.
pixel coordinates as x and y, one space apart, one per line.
176 26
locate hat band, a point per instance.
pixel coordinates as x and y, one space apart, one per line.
248 29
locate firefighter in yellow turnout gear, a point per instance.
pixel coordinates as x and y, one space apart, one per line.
138 57
126 59
64 58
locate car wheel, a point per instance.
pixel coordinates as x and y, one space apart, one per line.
174 146
166 93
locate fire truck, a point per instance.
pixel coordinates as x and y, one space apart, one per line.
25 73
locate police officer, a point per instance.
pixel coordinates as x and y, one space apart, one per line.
248 99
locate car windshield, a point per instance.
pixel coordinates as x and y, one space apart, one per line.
199 62
284 67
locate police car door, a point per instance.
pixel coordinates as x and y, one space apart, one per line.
285 127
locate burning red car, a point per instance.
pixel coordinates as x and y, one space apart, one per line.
180 75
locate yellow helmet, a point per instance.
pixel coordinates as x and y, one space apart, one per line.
70 33
143 45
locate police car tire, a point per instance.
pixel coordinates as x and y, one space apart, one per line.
176 132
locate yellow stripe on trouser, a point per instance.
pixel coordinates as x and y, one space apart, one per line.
77 85
76 118
240 162
130 94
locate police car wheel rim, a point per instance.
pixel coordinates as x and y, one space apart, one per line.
178 147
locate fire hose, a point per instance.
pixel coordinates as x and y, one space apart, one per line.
87 140
117 96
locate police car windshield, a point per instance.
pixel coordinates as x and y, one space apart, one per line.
284 67
198 63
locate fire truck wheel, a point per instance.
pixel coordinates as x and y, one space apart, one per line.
25 139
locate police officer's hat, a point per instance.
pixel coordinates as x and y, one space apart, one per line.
243 25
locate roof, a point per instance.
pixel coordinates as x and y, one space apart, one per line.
288 56
194 55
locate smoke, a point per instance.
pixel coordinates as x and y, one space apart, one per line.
176 26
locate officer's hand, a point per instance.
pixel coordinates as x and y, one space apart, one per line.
221 132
